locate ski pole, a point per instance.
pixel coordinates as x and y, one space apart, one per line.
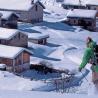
86 79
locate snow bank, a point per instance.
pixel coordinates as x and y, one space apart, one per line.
41 50
26 94
9 81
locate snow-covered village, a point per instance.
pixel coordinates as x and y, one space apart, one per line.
48 48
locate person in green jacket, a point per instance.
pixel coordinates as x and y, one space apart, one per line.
89 57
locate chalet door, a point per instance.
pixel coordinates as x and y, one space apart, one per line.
40 42
89 23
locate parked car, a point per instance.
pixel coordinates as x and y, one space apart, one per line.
3 67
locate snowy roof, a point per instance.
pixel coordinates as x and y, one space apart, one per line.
74 2
7 33
0 14
16 4
7 14
37 36
80 13
92 2
10 51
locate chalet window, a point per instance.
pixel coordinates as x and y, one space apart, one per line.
89 7
36 8
40 42
89 23
74 21
75 7
14 37
19 36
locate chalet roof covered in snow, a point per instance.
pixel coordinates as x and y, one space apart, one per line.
10 51
0 14
80 13
7 33
7 14
92 2
38 36
16 4
74 2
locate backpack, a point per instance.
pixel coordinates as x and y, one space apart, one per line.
95 55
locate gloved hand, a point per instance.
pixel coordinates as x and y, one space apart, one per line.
79 69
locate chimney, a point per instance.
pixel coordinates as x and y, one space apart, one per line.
32 1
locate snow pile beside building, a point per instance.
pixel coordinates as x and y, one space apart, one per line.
9 81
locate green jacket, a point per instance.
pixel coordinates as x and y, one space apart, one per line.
88 54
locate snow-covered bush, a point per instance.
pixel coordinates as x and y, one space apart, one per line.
46 63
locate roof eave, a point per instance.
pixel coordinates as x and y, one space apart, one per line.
40 4
81 17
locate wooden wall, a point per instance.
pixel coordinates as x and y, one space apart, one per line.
20 40
6 61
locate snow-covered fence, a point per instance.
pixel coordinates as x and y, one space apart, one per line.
62 83
69 82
